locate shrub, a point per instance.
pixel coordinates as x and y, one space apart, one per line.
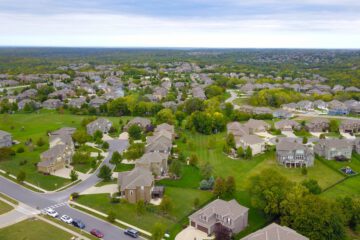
20 150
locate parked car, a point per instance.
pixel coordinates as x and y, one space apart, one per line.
51 212
66 219
131 232
97 233
78 223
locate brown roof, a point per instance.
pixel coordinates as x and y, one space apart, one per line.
275 232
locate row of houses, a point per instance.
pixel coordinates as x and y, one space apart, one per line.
60 152
138 184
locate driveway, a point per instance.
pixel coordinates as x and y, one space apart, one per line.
347 135
289 134
190 233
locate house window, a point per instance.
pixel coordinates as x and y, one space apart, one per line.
142 188
131 192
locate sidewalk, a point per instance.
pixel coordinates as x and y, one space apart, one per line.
105 215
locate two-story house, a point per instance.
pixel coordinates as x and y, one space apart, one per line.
331 149
292 154
229 214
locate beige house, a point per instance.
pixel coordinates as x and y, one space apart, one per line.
136 185
155 162
229 214
275 232
256 126
257 144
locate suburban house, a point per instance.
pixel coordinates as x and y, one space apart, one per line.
292 154
101 124
317 125
198 92
350 126
5 139
52 104
337 108
282 114
136 185
357 145
97 102
237 129
165 127
61 150
287 125
305 105
275 232
289 106
331 149
77 102
229 214
321 105
144 123
156 162
256 143
161 142
257 126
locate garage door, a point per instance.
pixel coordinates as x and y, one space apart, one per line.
192 224
203 229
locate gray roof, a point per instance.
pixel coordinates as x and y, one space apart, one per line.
231 209
252 139
152 157
143 122
289 146
253 123
3 133
135 178
335 143
54 152
275 232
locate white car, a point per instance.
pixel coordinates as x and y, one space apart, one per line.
66 219
51 212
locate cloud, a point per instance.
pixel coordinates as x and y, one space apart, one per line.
196 23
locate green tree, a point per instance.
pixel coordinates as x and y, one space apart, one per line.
166 205
98 135
105 145
230 186
312 185
158 232
165 116
219 187
268 190
305 140
21 176
81 137
213 91
111 216
73 175
196 203
40 142
116 158
135 132
334 126
240 152
105 173
176 168
230 140
248 152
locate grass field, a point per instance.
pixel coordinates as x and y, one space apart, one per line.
4 207
33 230
349 187
33 126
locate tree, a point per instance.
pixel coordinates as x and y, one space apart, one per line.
206 170
248 152
240 152
219 187
268 190
334 126
40 142
312 185
81 137
105 145
165 205
116 158
73 175
80 157
192 105
105 173
351 210
221 232
165 116
230 186
135 132
111 216
6 153
140 207
158 232
180 116
193 160
135 151
304 171
230 140
305 140
322 136
98 135
175 168
21 176
213 91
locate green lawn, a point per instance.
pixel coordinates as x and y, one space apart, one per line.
122 167
33 126
349 187
33 230
190 179
4 207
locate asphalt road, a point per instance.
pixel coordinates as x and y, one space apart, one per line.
58 202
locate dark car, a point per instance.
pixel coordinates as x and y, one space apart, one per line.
97 233
79 224
131 232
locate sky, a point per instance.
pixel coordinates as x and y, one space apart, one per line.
181 23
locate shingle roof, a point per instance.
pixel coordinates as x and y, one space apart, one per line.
275 232
136 178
